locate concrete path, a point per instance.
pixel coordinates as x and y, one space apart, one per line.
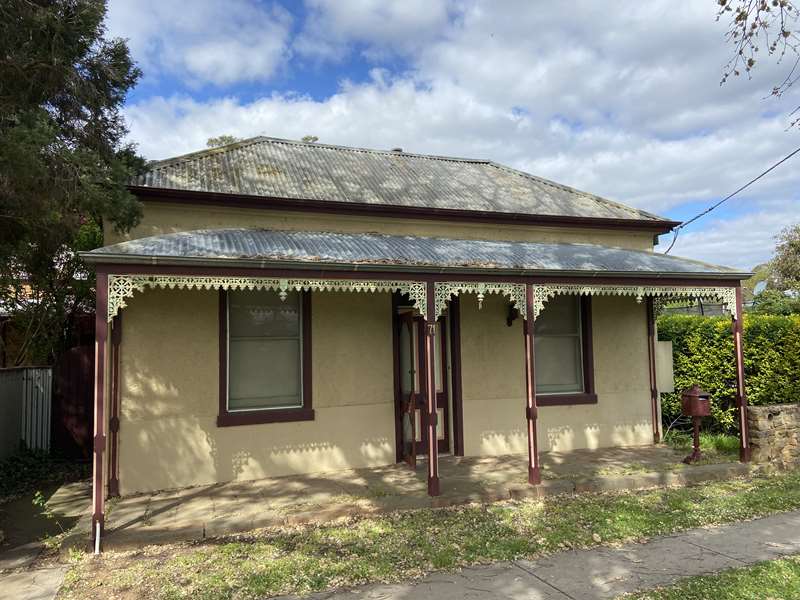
605 572
34 584
22 576
226 508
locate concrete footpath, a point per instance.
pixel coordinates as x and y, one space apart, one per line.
23 573
604 572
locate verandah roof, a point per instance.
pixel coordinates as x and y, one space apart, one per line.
308 249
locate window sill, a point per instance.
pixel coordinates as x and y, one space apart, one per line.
257 417
566 399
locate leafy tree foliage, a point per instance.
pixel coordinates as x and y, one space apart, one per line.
775 302
222 140
761 274
786 262
63 160
759 27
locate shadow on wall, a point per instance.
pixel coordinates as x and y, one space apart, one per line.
168 433
495 443
168 441
174 452
592 436
564 438
154 396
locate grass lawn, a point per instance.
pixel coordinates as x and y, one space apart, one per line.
774 580
405 545
716 447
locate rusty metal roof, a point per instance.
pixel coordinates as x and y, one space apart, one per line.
310 249
276 168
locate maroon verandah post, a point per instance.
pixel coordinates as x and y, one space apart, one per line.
113 421
101 334
741 394
531 410
651 355
430 367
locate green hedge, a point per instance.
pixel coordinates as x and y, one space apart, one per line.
703 354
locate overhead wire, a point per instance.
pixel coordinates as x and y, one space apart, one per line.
677 229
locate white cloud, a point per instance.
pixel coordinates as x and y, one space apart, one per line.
381 27
204 41
623 103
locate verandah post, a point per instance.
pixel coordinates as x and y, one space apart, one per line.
741 394
113 421
531 410
101 335
651 355
430 367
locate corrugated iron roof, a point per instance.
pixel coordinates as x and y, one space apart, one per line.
314 249
271 167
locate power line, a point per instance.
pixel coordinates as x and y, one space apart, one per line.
726 198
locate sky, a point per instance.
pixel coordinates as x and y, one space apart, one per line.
621 99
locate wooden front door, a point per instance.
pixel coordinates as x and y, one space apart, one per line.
411 396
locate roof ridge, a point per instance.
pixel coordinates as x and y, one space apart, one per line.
263 138
165 162
573 190
372 150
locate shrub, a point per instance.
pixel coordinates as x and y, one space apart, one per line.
703 354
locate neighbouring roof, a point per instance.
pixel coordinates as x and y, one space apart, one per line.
275 168
271 248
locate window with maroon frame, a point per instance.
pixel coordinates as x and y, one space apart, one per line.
265 346
563 352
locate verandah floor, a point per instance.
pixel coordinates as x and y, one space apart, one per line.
207 511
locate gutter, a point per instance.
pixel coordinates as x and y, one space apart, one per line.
128 259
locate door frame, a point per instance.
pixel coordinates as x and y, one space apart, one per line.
442 398
451 388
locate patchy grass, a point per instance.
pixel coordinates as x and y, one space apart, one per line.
406 545
29 471
716 447
776 580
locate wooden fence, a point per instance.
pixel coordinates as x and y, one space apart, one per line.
25 405
73 401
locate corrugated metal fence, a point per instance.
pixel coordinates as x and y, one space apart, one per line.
25 404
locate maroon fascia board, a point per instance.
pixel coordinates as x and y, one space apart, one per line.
152 194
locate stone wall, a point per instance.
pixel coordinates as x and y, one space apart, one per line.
775 433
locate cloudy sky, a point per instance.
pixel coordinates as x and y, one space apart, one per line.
622 99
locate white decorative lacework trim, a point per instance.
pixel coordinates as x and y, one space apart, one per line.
662 294
121 287
443 290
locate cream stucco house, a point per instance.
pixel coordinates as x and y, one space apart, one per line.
288 308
